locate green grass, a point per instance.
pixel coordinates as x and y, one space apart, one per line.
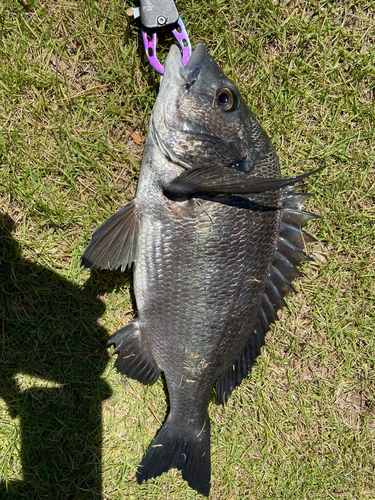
74 86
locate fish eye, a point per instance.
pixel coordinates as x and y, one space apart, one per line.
226 99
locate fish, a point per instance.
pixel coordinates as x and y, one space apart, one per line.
215 235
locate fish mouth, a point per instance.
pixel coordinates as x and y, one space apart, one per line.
189 73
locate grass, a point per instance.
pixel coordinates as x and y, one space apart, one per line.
74 87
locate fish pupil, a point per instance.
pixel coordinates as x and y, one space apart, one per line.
223 98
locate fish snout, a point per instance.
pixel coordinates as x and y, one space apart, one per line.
189 73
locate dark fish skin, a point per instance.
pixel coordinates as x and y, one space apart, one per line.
207 278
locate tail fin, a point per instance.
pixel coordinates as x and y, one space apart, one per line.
189 452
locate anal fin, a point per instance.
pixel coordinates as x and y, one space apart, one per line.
133 359
242 365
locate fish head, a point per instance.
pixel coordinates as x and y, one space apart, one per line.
201 119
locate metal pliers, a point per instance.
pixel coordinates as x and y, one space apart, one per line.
157 16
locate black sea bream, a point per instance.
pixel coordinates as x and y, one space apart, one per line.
215 234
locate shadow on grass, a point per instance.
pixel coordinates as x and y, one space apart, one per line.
49 332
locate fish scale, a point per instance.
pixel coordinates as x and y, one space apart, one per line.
215 235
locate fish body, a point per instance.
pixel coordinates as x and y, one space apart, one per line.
214 255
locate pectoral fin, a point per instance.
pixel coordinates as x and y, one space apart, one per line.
114 244
225 180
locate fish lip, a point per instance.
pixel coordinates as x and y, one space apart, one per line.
197 57
187 75
191 71
173 60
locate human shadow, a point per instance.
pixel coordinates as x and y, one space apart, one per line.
51 376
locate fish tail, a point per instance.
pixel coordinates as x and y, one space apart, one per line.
188 451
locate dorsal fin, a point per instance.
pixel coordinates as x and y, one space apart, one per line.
288 254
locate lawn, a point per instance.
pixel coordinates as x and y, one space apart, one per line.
76 95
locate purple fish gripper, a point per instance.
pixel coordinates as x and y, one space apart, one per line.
150 39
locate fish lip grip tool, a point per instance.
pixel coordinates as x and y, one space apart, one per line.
150 41
157 16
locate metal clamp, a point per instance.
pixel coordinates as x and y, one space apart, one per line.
150 39
157 16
